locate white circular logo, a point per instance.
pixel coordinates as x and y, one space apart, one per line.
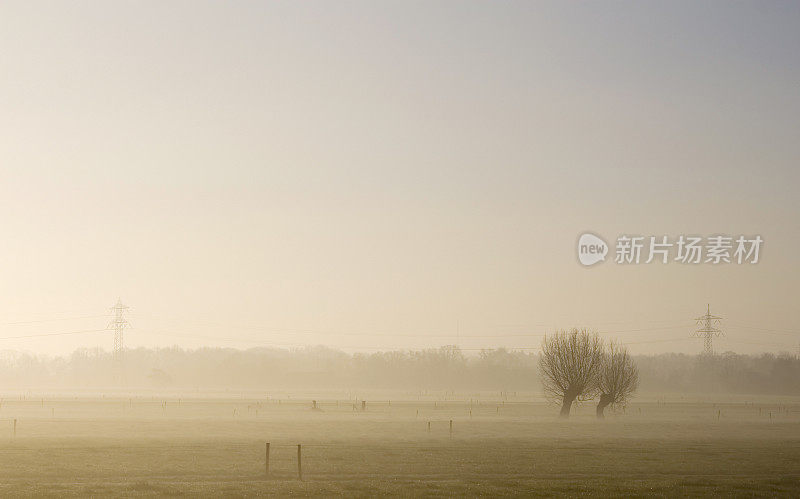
591 249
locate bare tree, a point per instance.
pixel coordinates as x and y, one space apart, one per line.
619 378
570 365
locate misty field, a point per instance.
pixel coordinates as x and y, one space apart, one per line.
506 444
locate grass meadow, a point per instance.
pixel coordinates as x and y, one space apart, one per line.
501 444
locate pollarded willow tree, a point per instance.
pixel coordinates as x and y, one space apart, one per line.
619 378
570 365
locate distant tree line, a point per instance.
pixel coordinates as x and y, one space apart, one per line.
723 373
446 368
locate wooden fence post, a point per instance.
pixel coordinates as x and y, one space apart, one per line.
299 464
451 428
266 461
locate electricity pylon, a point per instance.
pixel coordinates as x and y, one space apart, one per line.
119 323
707 331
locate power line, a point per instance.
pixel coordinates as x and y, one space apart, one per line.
41 335
640 332
19 323
383 333
764 329
429 334
664 340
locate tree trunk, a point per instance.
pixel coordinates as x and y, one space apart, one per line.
566 405
601 406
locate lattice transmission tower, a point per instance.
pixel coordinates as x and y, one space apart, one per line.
118 324
707 330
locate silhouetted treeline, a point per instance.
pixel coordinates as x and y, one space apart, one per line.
446 368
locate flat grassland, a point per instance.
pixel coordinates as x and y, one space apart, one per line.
500 445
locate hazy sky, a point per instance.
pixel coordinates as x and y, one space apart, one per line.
372 175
